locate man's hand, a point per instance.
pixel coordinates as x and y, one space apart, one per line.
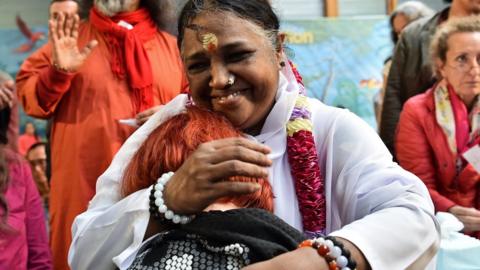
63 33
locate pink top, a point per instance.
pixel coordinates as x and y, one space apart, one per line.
24 143
26 247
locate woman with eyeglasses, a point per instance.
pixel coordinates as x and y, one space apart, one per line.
440 129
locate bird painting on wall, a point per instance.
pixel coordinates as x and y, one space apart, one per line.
31 37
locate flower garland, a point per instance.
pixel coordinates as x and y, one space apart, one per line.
303 159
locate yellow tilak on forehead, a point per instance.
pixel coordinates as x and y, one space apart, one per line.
210 42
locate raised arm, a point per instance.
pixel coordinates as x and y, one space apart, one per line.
46 75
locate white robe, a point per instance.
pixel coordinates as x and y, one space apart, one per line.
385 211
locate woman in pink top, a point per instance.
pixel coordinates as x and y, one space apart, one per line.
27 139
23 234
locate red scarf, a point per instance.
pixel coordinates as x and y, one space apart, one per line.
128 56
462 123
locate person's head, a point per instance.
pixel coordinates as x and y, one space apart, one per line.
161 11
37 157
29 128
171 143
232 53
70 7
112 7
466 6
406 13
455 54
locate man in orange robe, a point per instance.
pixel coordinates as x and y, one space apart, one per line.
126 67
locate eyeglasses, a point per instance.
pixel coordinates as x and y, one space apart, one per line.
465 62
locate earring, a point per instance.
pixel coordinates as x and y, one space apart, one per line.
282 64
231 80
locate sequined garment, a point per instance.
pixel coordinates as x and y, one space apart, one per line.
219 240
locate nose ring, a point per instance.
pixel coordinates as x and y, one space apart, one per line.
231 80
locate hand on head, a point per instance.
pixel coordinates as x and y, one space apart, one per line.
200 181
211 161
63 34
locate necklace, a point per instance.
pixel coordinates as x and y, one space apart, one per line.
303 160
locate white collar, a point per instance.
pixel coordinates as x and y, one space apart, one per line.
278 117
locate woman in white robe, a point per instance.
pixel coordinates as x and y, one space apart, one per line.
382 213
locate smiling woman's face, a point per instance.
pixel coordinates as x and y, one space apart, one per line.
243 52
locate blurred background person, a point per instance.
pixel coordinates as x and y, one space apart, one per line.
23 236
438 127
8 98
140 68
28 138
404 14
64 6
411 71
37 157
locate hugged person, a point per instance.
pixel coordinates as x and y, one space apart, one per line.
252 234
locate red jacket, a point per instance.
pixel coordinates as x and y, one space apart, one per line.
422 149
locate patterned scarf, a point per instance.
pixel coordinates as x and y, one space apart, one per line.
452 116
129 58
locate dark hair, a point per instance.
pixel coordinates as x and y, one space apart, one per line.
35 145
162 12
54 1
259 12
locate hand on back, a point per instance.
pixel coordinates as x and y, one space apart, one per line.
203 177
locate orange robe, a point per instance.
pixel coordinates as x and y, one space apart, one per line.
85 108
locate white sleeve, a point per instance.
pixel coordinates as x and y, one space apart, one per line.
384 210
111 231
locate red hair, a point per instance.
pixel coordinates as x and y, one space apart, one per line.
171 143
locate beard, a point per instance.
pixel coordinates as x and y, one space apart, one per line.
111 7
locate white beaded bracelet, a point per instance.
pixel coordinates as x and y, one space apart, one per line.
160 203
